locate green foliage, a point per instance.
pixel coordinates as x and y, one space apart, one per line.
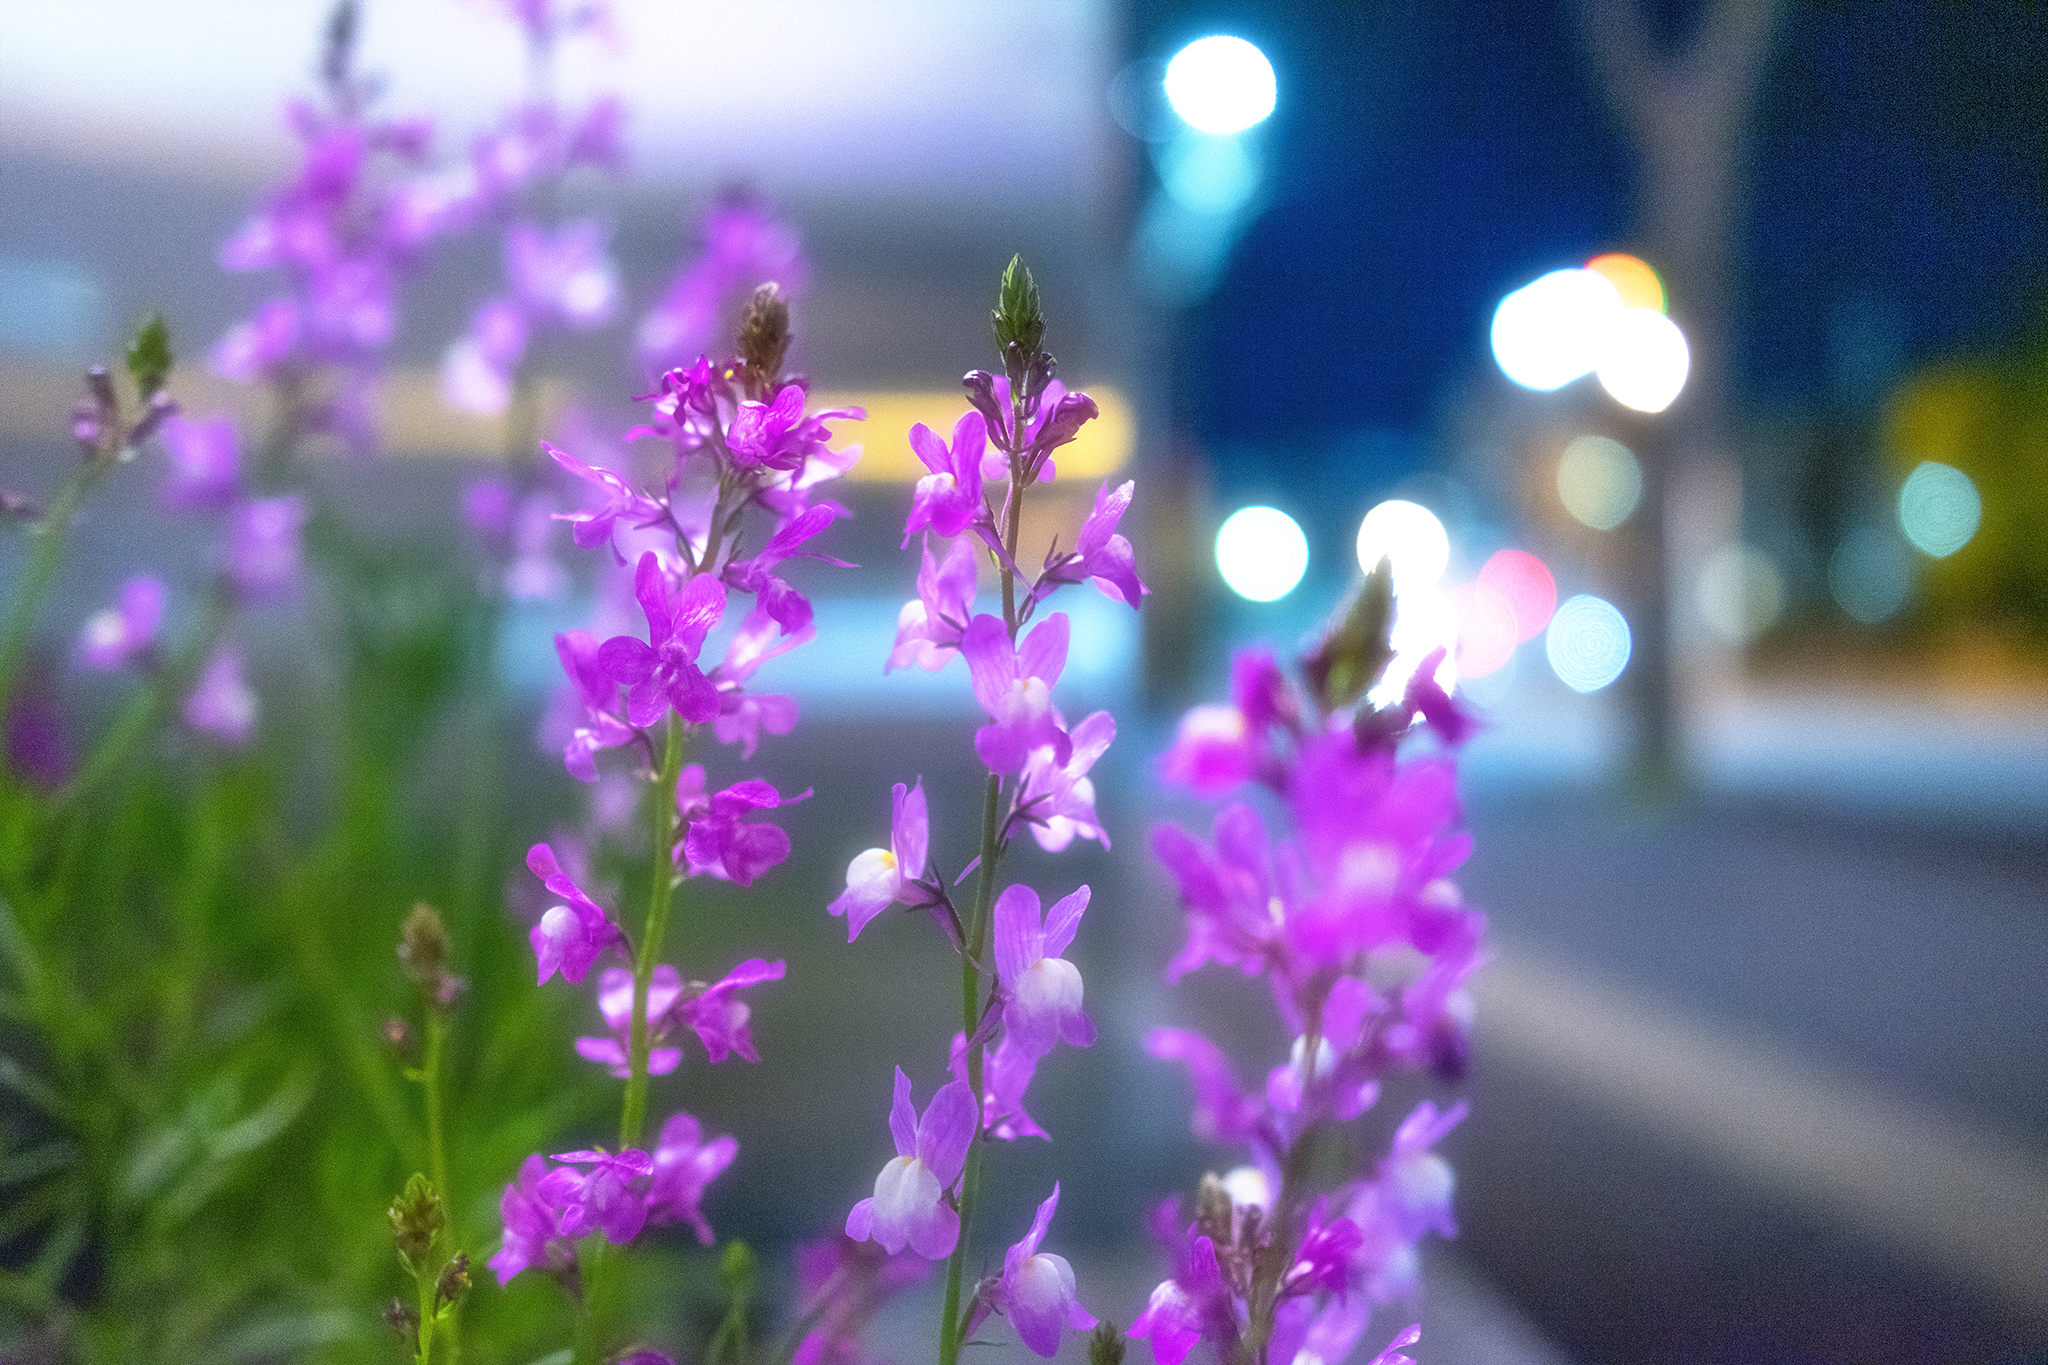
201 1118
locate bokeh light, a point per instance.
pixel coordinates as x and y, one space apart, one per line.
1939 509
1221 84
1588 643
1870 574
1599 481
1486 629
1261 553
1209 174
1425 620
1740 593
1643 360
1632 278
1524 583
1552 331
1409 534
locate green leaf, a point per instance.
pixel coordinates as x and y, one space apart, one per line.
149 356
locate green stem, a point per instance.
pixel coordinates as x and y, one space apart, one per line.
970 1017
430 1081
45 554
426 1288
661 890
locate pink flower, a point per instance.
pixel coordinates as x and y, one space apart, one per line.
1014 685
223 705
684 1165
1057 799
929 627
123 633
662 672
205 463
615 1003
881 877
1043 989
611 1197
949 498
1036 1291
570 936
721 843
908 1207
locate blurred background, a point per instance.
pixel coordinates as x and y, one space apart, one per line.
1690 360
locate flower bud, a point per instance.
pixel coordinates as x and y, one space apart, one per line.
1019 323
423 953
764 332
737 1269
453 1282
403 1319
149 357
1358 647
416 1220
1105 1344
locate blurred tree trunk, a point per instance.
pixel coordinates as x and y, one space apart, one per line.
1687 112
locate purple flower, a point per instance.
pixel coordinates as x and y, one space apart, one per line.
1393 1355
1324 1260
1236 914
1099 553
205 463
949 498
716 1014
664 673
476 372
908 1207
882 876
1036 1291
1213 751
533 1231
611 1197
570 936
1417 1182
1051 423
255 350
780 435
1223 1113
1181 1310
1006 1073
223 705
615 1003
684 1164
928 629
263 546
721 843
1106 556
125 632
784 604
1218 747
1014 685
742 718
1327 1333
1058 799
1043 989
566 275
621 501
599 726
